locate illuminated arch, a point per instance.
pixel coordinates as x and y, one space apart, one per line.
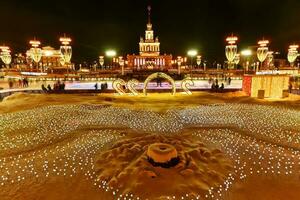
187 82
159 75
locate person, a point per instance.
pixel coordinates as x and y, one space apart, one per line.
213 87
290 87
63 85
49 87
10 84
96 86
20 83
222 87
55 86
217 87
229 81
44 88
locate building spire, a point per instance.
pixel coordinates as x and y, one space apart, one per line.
149 14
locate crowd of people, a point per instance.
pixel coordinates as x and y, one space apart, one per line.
21 83
103 86
215 86
58 86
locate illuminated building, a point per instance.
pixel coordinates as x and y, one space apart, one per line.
149 56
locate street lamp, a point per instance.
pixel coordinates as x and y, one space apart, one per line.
262 51
237 59
192 53
35 51
5 55
66 49
231 50
101 61
122 63
246 53
292 54
111 54
179 62
198 60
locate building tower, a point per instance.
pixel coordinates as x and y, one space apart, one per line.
149 46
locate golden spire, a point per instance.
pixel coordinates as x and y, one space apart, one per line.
149 14
149 25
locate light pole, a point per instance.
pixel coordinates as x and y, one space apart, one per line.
121 63
237 59
101 61
111 54
231 50
198 60
192 54
292 54
262 51
179 62
5 55
35 51
246 53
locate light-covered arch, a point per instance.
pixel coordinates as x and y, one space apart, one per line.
159 75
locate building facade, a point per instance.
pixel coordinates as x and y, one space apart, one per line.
149 57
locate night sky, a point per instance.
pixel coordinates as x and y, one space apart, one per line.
97 25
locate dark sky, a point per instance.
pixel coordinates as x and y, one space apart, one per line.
97 25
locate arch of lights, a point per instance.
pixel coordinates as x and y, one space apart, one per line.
159 75
118 86
131 84
185 83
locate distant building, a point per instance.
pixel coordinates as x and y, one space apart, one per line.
149 56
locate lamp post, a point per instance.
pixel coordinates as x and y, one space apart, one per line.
121 63
292 54
270 58
198 60
231 50
262 51
192 54
5 55
66 49
35 51
101 61
111 54
179 62
247 53
237 59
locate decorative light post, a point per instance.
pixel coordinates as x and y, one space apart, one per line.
5 55
237 59
292 54
35 51
262 51
66 49
192 54
231 50
270 58
111 54
122 63
247 53
101 61
179 62
198 60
